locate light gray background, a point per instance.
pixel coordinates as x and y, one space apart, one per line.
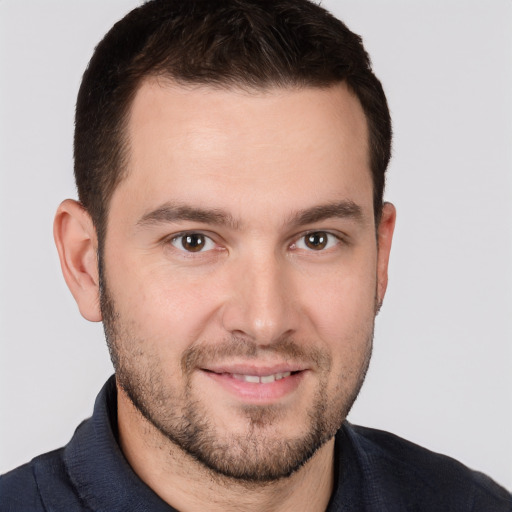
441 374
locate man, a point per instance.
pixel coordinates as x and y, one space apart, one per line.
232 237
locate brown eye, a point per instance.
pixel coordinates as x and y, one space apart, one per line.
193 242
316 241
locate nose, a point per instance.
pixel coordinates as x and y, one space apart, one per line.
262 302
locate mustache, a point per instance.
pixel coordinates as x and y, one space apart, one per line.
201 355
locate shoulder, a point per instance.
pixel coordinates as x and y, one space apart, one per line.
18 490
38 485
418 474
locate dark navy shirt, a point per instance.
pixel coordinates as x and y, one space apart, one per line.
375 472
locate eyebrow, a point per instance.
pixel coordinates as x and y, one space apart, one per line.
345 209
168 213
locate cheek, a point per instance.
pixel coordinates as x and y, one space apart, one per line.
163 306
342 304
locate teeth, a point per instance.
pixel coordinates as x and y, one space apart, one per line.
265 379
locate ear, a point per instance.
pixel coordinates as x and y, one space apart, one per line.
384 239
77 244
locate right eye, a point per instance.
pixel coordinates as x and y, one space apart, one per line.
193 242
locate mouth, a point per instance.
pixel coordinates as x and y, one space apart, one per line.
256 384
255 379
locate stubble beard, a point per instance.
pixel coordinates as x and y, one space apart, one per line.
253 457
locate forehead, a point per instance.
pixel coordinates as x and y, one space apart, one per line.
205 144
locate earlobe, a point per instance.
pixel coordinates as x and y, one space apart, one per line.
76 241
385 237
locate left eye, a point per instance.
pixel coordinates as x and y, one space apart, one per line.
193 242
317 241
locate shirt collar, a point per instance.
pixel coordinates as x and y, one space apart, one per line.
97 467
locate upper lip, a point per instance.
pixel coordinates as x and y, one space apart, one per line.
256 370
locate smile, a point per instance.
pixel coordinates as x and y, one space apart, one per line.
257 386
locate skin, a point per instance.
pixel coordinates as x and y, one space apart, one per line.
265 169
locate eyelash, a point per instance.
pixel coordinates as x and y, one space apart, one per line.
207 241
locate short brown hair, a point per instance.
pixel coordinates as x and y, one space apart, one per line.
228 43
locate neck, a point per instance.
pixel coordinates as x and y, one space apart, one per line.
187 485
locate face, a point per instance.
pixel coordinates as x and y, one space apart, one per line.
241 272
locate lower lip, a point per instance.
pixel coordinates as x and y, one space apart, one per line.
257 392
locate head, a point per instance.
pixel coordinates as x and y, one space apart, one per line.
230 162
